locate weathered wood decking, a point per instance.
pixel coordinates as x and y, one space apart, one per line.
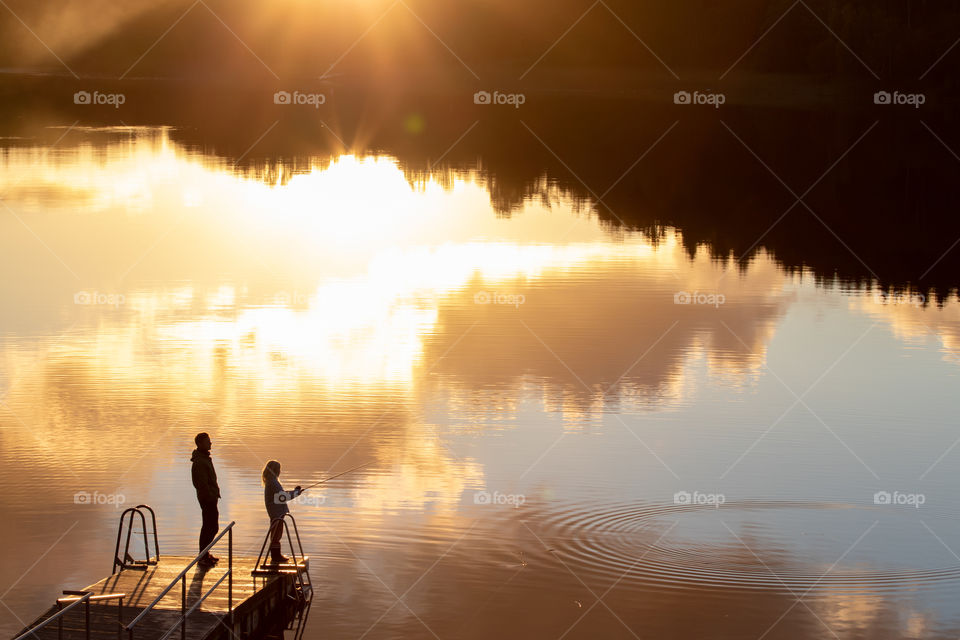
257 599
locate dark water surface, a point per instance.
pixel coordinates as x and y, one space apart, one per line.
577 429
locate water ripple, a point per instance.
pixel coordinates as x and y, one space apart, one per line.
635 542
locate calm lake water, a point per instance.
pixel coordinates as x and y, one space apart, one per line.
575 430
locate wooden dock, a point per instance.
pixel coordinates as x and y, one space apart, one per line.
258 602
162 597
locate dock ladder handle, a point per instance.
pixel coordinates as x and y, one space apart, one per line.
282 521
156 541
182 578
122 562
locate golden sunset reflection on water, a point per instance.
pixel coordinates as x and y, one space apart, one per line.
333 311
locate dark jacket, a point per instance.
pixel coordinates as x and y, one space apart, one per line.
204 477
276 499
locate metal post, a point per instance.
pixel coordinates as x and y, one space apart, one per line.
116 550
126 545
146 545
230 574
183 607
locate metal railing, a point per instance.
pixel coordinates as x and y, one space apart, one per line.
182 578
76 598
127 561
299 566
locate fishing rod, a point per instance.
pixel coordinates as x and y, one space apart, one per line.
342 473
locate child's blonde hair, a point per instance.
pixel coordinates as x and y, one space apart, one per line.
270 470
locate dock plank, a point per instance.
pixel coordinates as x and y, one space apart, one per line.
142 587
103 624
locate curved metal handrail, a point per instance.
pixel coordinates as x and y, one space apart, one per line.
156 540
305 585
181 577
117 560
122 561
296 531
